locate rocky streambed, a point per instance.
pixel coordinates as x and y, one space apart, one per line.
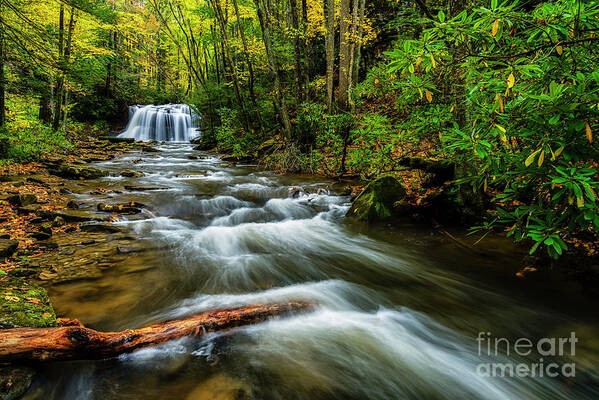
121 236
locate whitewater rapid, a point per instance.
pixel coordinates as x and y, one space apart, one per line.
391 324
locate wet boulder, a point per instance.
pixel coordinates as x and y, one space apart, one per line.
29 209
58 221
72 205
78 172
22 199
203 143
39 235
376 200
71 215
8 247
100 228
126 208
129 173
295 192
15 381
116 139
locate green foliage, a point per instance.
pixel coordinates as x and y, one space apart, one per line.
28 137
325 131
376 142
532 82
230 137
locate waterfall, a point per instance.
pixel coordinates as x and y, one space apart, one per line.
165 123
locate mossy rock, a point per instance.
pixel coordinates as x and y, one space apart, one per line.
78 172
15 381
376 201
24 304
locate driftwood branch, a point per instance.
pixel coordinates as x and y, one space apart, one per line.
80 343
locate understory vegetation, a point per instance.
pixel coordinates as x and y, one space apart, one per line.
505 93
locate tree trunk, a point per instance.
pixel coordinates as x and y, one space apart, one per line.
274 69
45 112
329 22
232 63
352 51
306 49
250 68
299 80
80 343
67 56
60 79
344 54
358 55
2 82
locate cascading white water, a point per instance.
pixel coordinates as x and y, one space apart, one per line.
165 123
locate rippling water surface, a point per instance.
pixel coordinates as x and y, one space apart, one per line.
400 307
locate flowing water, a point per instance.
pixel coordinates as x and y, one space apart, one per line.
169 123
400 307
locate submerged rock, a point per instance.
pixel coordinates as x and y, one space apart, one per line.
376 201
78 172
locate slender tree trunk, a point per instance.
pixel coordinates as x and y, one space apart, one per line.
45 111
352 52
298 79
305 48
329 18
250 67
344 54
60 79
358 55
274 69
2 84
67 56
232 63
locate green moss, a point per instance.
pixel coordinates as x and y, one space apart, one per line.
24 304
377 199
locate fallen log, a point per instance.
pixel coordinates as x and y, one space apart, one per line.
76 342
